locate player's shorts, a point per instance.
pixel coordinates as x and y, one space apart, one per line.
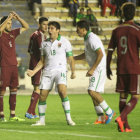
128 83
9 77
49 78
36 78
97 80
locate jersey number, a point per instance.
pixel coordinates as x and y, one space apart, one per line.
53 52
123 43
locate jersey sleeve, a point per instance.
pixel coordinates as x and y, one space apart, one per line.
68 49
112 44
95 43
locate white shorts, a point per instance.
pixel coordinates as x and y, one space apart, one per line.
56 76
97 80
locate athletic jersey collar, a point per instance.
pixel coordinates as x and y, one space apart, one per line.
86 36
59 37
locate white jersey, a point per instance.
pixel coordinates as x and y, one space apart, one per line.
92 44
56 53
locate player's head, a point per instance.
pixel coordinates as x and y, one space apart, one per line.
43 24
128 11
82 28
82 10
8 27
53 29
89 11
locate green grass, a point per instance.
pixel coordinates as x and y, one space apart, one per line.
82 112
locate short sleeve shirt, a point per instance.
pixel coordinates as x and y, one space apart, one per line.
56 53
7 48
126 38
92 44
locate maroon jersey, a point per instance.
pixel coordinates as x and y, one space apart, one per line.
126 38
7 48
34 47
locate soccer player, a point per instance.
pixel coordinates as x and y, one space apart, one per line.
8 62
95 56
54 52
34 49
126 39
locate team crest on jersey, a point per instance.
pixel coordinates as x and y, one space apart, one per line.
11 36
59 44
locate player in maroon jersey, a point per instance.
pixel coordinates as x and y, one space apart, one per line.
8 62
34 49
126 38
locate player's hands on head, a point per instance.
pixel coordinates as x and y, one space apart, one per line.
15 15
10 16
73 76
109 73
30 73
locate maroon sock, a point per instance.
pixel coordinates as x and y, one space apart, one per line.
33 102
128 108
12 102
1 106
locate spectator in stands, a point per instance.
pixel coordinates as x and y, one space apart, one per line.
37 4
92 21
107 3
80 15
73 6
99 3
86 3
66 3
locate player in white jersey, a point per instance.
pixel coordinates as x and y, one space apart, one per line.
54 54
95 56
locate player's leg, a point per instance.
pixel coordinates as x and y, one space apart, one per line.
96 85
99 112
30 114
45 87
42 107
65 103
130 83
2 117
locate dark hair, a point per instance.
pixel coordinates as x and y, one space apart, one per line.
55 24
83 24
42 19
3 19
128 11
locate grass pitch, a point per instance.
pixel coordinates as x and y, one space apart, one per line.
82 113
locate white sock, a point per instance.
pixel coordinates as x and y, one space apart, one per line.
66 106
99 112
42 109
105 107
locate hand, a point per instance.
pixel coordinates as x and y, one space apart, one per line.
30 73
10 16
109 73
73 76
89 73
15 15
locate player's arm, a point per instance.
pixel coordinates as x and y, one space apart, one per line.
38 67
72 66
80 57
24 24
98 60
109 58
3 25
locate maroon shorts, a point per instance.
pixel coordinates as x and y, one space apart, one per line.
9 77
36 78
128 83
